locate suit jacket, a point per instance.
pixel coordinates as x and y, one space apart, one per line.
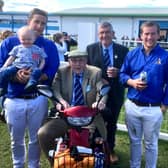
92 82
95 57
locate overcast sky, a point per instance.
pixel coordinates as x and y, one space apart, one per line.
56 5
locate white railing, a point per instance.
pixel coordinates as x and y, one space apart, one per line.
164 128
122 127
134 43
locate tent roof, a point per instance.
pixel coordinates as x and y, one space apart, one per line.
90 11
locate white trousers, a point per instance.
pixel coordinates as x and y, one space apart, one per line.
143 121
22 114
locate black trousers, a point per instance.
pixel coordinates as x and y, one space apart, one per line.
110 115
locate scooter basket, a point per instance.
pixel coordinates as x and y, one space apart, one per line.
64 160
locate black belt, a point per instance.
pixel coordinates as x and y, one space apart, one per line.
144 104
28 96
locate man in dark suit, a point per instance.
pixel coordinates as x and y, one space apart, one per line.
96 57
69 41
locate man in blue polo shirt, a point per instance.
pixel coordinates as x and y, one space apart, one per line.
28 110
145 73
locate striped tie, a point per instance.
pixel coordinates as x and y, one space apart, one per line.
78 98
107 61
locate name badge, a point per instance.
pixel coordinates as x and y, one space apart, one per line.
88 88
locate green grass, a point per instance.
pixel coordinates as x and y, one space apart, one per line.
122 149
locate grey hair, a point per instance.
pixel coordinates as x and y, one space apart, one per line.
106 24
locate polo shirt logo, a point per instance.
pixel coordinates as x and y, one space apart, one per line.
158 61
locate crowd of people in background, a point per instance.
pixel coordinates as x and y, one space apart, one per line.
64 43
105 61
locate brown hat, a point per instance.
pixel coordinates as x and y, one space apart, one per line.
77 53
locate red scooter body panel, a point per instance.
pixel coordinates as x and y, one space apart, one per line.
79 138
80 111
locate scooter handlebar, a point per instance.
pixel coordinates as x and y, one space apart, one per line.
80 111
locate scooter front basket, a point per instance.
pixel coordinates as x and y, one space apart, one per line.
64 160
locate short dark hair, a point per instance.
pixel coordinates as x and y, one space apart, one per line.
65 33
37 11
149 24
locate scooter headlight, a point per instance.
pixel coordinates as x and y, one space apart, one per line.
79 121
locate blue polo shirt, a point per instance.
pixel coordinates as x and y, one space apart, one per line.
51 65
156 67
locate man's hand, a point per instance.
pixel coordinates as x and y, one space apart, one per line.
100 106
64 103
137 84
23 75
112 72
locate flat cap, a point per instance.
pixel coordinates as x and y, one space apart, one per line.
77 53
